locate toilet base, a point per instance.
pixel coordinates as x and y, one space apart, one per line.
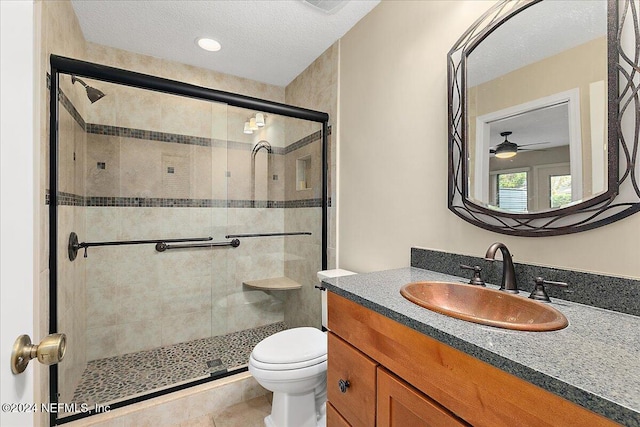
295 410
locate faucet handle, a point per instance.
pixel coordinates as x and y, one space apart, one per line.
476 279
540 293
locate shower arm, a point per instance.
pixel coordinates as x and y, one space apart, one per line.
75 79
74 246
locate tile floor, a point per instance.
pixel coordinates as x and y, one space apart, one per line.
246 414
117 378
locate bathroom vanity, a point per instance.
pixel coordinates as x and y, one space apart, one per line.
393 363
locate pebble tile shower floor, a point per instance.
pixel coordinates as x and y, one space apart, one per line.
116 378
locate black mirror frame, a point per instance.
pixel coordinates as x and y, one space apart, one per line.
622 197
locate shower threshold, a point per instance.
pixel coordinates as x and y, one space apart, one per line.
113 379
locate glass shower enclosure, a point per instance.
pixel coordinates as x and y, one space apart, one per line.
187 224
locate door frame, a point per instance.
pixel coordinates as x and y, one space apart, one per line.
19 204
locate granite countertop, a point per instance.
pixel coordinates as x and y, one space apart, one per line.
594 362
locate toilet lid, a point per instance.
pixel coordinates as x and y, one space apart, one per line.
292 346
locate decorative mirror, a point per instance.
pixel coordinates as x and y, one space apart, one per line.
544 117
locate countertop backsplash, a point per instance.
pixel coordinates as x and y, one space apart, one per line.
612 293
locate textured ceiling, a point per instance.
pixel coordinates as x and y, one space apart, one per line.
270 41
542 30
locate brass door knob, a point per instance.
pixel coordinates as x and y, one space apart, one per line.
50 351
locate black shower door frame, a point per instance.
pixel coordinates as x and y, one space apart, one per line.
63 65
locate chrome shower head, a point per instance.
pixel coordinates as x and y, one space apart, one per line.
92 93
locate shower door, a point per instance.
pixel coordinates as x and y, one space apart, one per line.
142 185
186 225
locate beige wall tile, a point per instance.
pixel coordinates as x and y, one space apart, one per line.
239 181
138 336
138 307
141 223
102 307
205 173
100 265
101 342
103 149
255 220
193 296
66 164
253 314
186 327
137 264
103 224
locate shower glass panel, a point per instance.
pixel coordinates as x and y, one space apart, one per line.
138 165
273 272
146 182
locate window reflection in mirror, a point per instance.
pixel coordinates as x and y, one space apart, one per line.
559 190
511 190
536 93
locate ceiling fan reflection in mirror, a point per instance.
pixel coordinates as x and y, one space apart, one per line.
507 149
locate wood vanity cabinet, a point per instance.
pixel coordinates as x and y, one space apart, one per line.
395 376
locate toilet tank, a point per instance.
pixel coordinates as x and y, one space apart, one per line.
328 274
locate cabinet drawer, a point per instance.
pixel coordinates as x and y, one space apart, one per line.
357 401
399 405
334 419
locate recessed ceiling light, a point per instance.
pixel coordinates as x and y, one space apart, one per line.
208 44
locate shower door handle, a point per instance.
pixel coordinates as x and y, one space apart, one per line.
162 246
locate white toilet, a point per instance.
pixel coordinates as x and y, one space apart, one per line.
293 365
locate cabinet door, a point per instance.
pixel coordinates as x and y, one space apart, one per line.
334 419
351 383
401 405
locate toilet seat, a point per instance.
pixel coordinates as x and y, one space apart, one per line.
291 349
286 366
289 376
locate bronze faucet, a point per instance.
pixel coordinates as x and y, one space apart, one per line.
508 273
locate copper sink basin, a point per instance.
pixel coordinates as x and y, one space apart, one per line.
485 306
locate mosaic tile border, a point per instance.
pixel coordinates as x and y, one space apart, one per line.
304 141
125 132
608 292
97 129
68 105
68 199
117 378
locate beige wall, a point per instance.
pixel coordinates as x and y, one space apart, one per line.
315 88
393 152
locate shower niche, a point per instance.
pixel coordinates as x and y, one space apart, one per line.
179 239
303 173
